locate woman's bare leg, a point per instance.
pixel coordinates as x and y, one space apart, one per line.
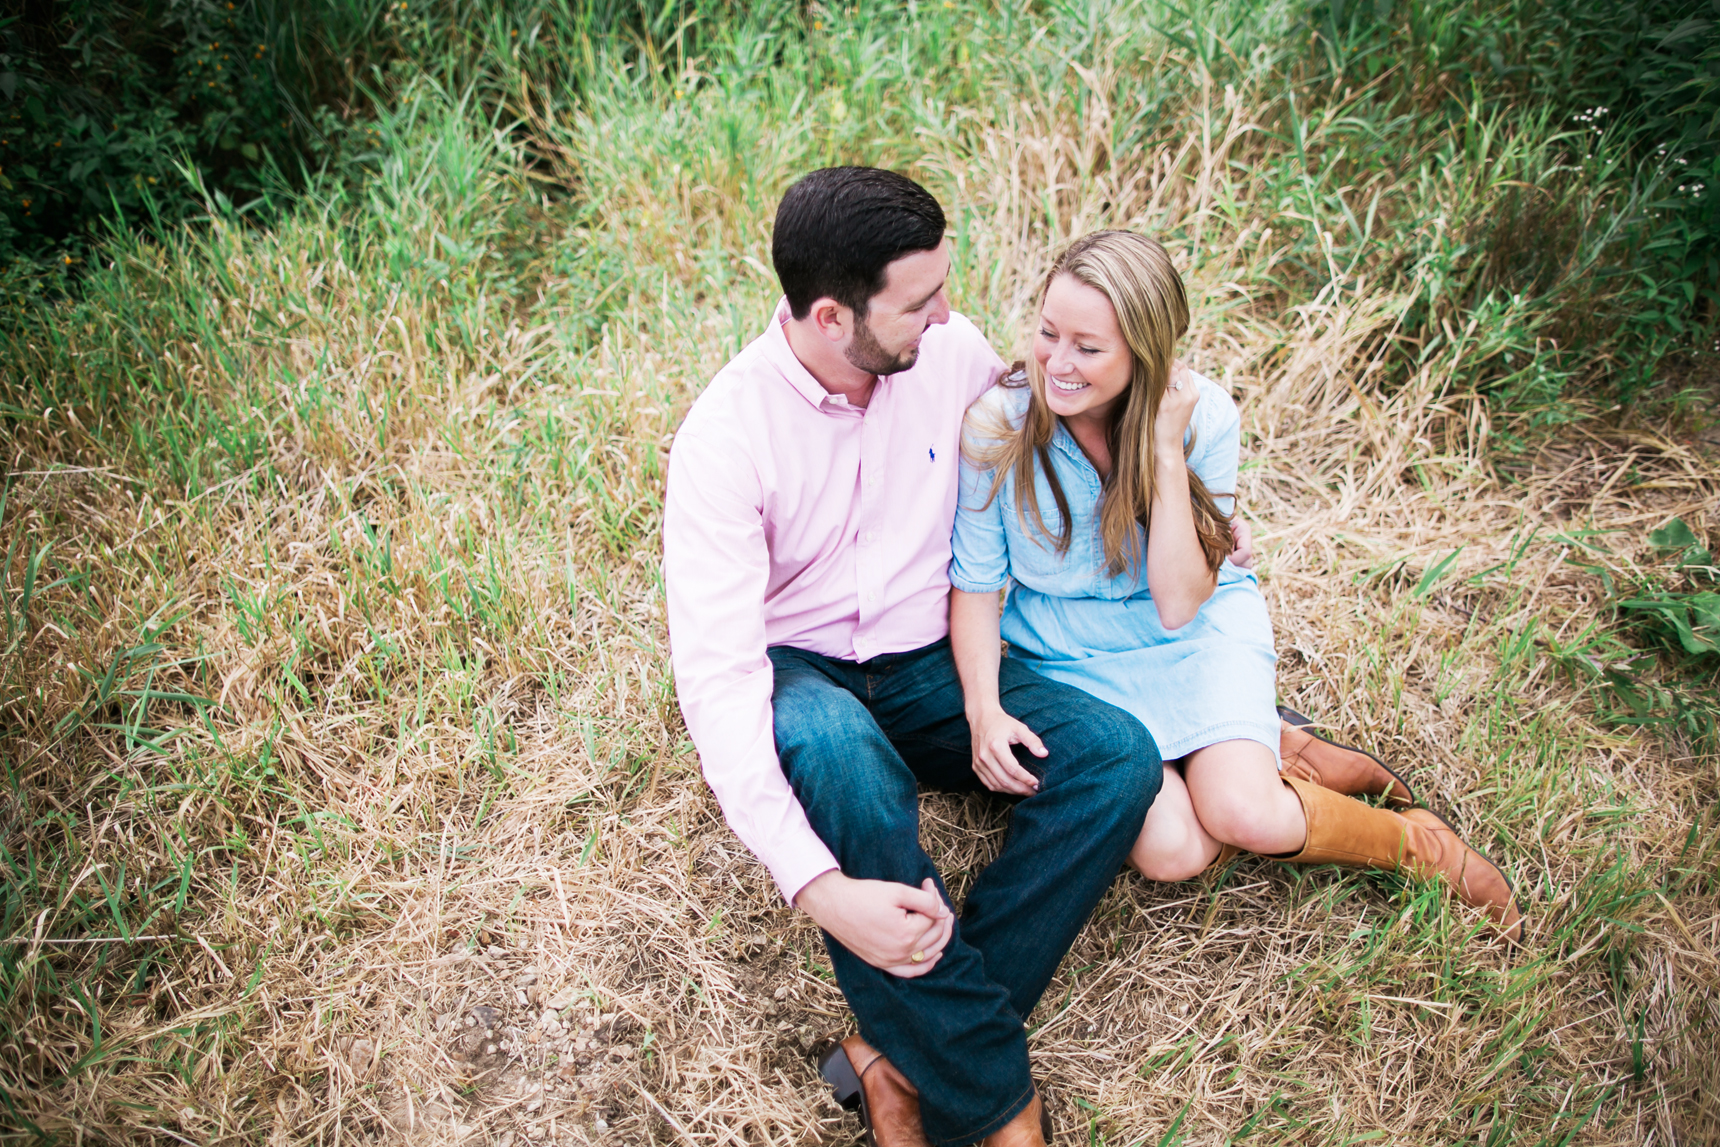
1172 846
1235 791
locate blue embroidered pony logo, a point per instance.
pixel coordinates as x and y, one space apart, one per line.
932 453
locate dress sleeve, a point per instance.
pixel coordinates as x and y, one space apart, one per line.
979 550
1218 444
716 565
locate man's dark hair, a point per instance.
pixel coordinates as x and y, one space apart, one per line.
838 228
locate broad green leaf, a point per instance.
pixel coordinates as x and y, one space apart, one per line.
1675 535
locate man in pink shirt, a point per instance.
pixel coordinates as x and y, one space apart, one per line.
806 533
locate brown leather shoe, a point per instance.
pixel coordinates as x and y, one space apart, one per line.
889 1105
1310 757
1030 1128
1342 830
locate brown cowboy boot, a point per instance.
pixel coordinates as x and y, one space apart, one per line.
1353 772
1030 1128
1342 830
889 1105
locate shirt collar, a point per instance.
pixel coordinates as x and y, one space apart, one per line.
791 368
1065 442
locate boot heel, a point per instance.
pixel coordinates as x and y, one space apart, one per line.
833 1065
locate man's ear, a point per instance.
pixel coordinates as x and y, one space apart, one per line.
831 319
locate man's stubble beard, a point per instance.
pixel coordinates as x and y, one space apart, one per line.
868 354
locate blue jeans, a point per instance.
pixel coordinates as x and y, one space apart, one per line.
856 741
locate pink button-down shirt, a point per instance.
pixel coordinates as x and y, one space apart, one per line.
795 518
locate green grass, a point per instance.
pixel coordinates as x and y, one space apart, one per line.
333 645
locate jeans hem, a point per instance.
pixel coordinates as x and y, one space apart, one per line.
1016 1107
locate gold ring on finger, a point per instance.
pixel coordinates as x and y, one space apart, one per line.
918 957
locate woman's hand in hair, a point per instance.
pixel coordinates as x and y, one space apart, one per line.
1242 553
1176 408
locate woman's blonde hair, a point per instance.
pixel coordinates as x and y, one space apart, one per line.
1146 292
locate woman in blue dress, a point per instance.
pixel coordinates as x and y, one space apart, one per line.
1098 486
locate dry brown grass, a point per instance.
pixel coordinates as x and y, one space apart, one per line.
444 784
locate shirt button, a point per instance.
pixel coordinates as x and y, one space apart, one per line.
872 597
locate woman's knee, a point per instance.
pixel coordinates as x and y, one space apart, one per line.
1239 796
1175 854
1171 845
1168 870
1251 820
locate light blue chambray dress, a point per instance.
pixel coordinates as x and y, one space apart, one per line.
1067 617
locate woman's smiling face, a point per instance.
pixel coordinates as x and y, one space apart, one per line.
1087 363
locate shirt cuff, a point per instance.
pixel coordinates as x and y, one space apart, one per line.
795 875
968 585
